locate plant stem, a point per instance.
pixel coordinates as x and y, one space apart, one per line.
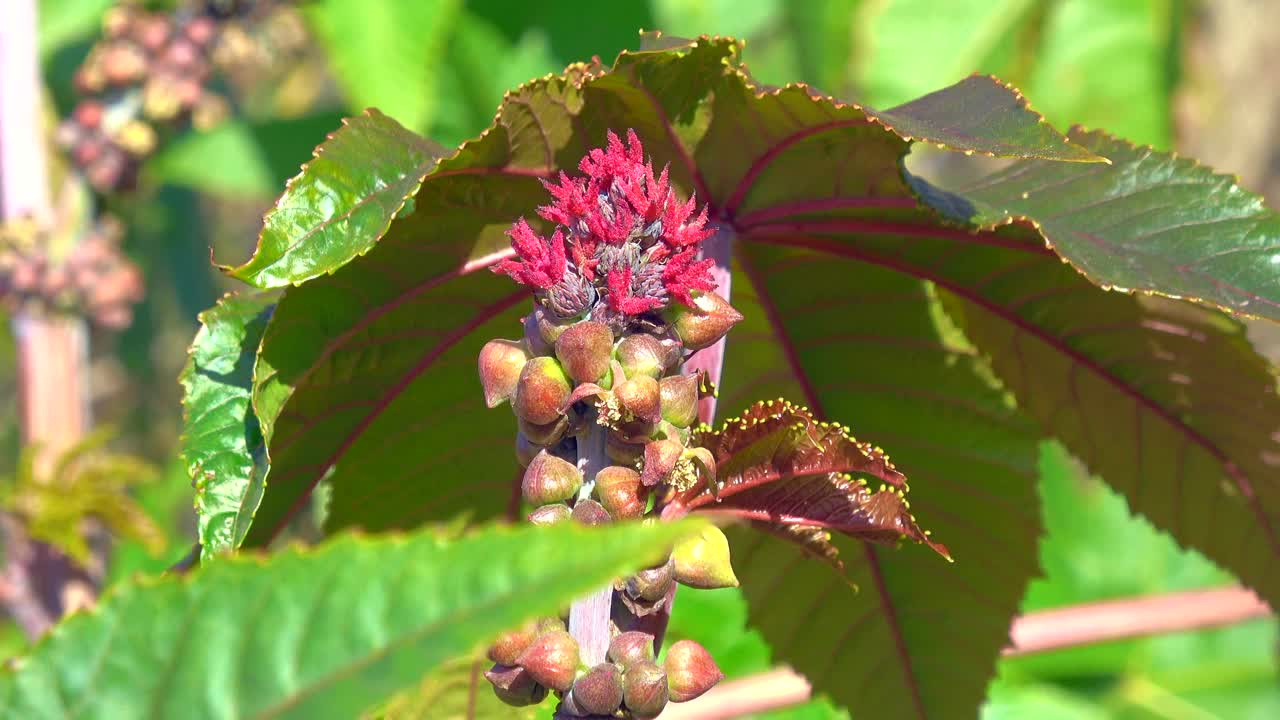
52 352
589 617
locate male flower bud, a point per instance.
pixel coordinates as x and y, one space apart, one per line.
644 690
590 512
642 354
500 364
550 514
599 690
690 671
552 660
541 391
680 399
660 458
652 584
510 644
585 349
619 491
514 685
702 561
549 479
640 396
630 648
703 324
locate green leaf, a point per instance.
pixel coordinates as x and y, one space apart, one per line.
781 469
387 54
222 445
457 690
341 203
1148 221
248 637
65 21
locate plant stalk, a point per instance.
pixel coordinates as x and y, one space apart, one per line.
589 616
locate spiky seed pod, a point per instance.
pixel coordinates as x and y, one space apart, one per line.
690 671
641 397
526 450
618 489
541 390
679 399
599 690
549 479
550 514
642 354
622 452
630 648
515 685
644 690
544 435
652 584
507 648
590 512
705 323
585 349
660 458
500 364
702 561
552 660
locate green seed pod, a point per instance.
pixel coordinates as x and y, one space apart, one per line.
690 671
552 660
515 685
644 690
585 349
541 391
549 479
599 690
549 328
640 396
510 644
590 512
631 648
652 584
618 489
500 364
702 325
642 354
680 399
702 561
550 514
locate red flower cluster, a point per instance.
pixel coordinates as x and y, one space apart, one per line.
622 234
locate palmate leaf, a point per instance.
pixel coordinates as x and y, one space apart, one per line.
366 370
222 445
401 607
779 467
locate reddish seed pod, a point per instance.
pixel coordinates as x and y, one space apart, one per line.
652 584
619 489
631 648
549 328
533 338
541 390
642 354
552 660
88 114
599 690
515 685
640 396
500 364
690 671
702 325
622 452
660 458
200 30
544 435
590 512
644 690
550 514
679 399
549 479
509 645
526 450
585 349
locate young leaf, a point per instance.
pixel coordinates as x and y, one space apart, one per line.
779 466
222 445
306 634
341 202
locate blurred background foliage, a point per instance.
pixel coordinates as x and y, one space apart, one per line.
1170 73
